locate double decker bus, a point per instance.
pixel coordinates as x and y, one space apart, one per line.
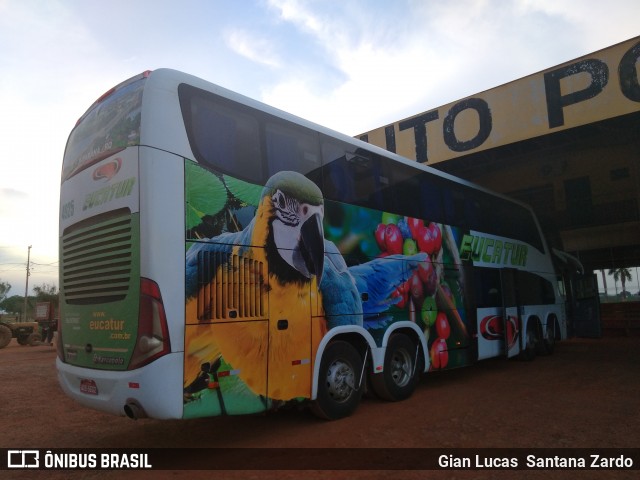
222 257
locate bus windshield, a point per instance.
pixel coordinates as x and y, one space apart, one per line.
109 126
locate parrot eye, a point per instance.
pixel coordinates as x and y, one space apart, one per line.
279 200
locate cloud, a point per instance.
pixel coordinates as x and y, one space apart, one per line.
254 48
12 193
381 68
396 59
10 201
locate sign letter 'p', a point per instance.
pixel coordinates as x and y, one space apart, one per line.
599 72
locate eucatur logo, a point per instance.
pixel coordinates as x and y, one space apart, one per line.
108 170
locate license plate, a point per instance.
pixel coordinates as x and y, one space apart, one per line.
89 387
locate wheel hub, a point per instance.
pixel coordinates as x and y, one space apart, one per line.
340 381
401 366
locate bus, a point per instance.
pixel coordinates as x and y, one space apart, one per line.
221 257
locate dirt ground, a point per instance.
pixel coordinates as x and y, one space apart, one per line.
587 394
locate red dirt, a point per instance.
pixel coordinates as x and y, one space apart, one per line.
585 395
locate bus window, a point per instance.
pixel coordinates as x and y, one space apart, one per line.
487 287
431 198
473 212
535 290
291 148
453 198
109 127
223 138
337 183
513 220
354 176
406 192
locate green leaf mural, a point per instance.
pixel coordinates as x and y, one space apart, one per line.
206 194
247 193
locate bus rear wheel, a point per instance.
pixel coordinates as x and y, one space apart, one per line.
339 382
532 345
400 376
550 341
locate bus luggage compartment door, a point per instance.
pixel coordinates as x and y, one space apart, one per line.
289 357
511 312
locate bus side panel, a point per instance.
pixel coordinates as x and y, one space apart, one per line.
406 269
162 233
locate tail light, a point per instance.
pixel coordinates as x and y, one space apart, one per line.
153 334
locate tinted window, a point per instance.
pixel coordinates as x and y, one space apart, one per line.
487 287
291 148
416 194
252 145
534 290
353 175
480 211
223 135
453 200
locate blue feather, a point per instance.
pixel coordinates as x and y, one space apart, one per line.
340 297
342 287
380 277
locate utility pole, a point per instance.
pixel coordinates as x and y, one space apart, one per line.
26 286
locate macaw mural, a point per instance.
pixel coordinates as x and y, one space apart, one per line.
270 270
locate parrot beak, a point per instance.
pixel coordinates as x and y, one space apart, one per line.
312 246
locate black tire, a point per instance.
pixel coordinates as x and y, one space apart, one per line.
528 353
5 336
33 339
550 341
401 371
340 384
23 339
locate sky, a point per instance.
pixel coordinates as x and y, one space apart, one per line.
351 65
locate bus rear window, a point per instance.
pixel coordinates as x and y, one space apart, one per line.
224 136
109 126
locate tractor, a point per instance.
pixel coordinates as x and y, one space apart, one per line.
27 333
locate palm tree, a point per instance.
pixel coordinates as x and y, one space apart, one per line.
622 274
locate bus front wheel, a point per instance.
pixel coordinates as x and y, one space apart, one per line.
339 382
401 372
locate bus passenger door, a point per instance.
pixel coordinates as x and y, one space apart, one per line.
510 312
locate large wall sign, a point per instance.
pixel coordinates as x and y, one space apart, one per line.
592 88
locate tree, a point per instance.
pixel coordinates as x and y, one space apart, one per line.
622 274
46 292
13 304
4 289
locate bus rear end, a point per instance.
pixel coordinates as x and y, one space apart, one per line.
114 345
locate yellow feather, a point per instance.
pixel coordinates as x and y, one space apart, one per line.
252 346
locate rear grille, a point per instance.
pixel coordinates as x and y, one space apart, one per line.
230 287
96 262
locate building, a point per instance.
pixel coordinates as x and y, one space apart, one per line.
565 140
